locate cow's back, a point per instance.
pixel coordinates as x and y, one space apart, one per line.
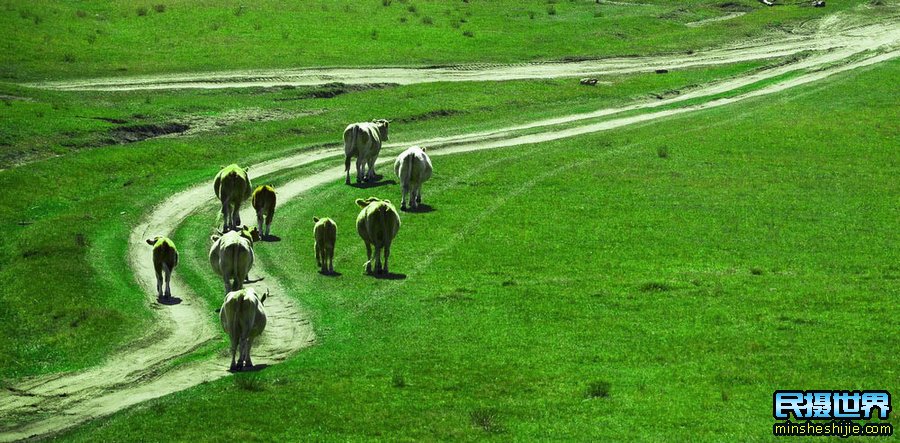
367 143
164 252
264 198
325 232
381 223
233 183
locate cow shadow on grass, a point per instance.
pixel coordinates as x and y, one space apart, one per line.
422 208
330 273
389 276
375 184
168 301
271 238
254 368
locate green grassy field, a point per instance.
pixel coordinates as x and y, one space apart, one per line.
618 285
52 40
83 194
655 282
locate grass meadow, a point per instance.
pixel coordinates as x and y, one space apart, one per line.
590 288
653 282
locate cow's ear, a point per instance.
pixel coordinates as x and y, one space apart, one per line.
215 237
362 203
316 219
151 241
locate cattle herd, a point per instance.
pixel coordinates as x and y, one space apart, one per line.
242 314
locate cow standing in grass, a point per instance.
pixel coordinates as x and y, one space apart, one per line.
243 319
363 141
413 167
377 224
231 256
232 186
165 258
325 233
263 201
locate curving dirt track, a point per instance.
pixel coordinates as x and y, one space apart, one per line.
146 370
787 44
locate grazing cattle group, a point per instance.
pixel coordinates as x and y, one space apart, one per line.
231 254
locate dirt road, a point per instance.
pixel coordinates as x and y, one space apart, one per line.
787 44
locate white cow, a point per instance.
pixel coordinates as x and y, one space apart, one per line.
243 319
231 256
363 141
413 167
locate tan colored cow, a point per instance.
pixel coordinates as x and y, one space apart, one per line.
377 224
325 232
243 318
363 141
165 258
263 201
231 256
232 186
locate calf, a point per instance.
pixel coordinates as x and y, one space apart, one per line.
263 201
325 232
165 258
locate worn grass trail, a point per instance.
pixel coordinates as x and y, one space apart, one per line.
827 39
50 404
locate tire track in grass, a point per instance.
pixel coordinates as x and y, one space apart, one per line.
144 371
833 38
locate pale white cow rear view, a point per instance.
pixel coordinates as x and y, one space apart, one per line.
243 319
413 167
231 256
363 141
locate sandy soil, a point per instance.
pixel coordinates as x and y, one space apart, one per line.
145 370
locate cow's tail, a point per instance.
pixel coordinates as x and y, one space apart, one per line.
350 147
408 165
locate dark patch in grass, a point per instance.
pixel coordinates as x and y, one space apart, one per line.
375 184
468 34
390 276
249 382
509 283
117 121
487 420
734 7
398 381
756 271
662 152
131 134
654 286
429 115
598 389
80 240
427 20
332 90
142 11
159 8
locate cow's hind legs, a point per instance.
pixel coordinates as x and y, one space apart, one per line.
387 253
378 269
347 168
360 170
403 199
369 256
234 345
159 282
168 272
